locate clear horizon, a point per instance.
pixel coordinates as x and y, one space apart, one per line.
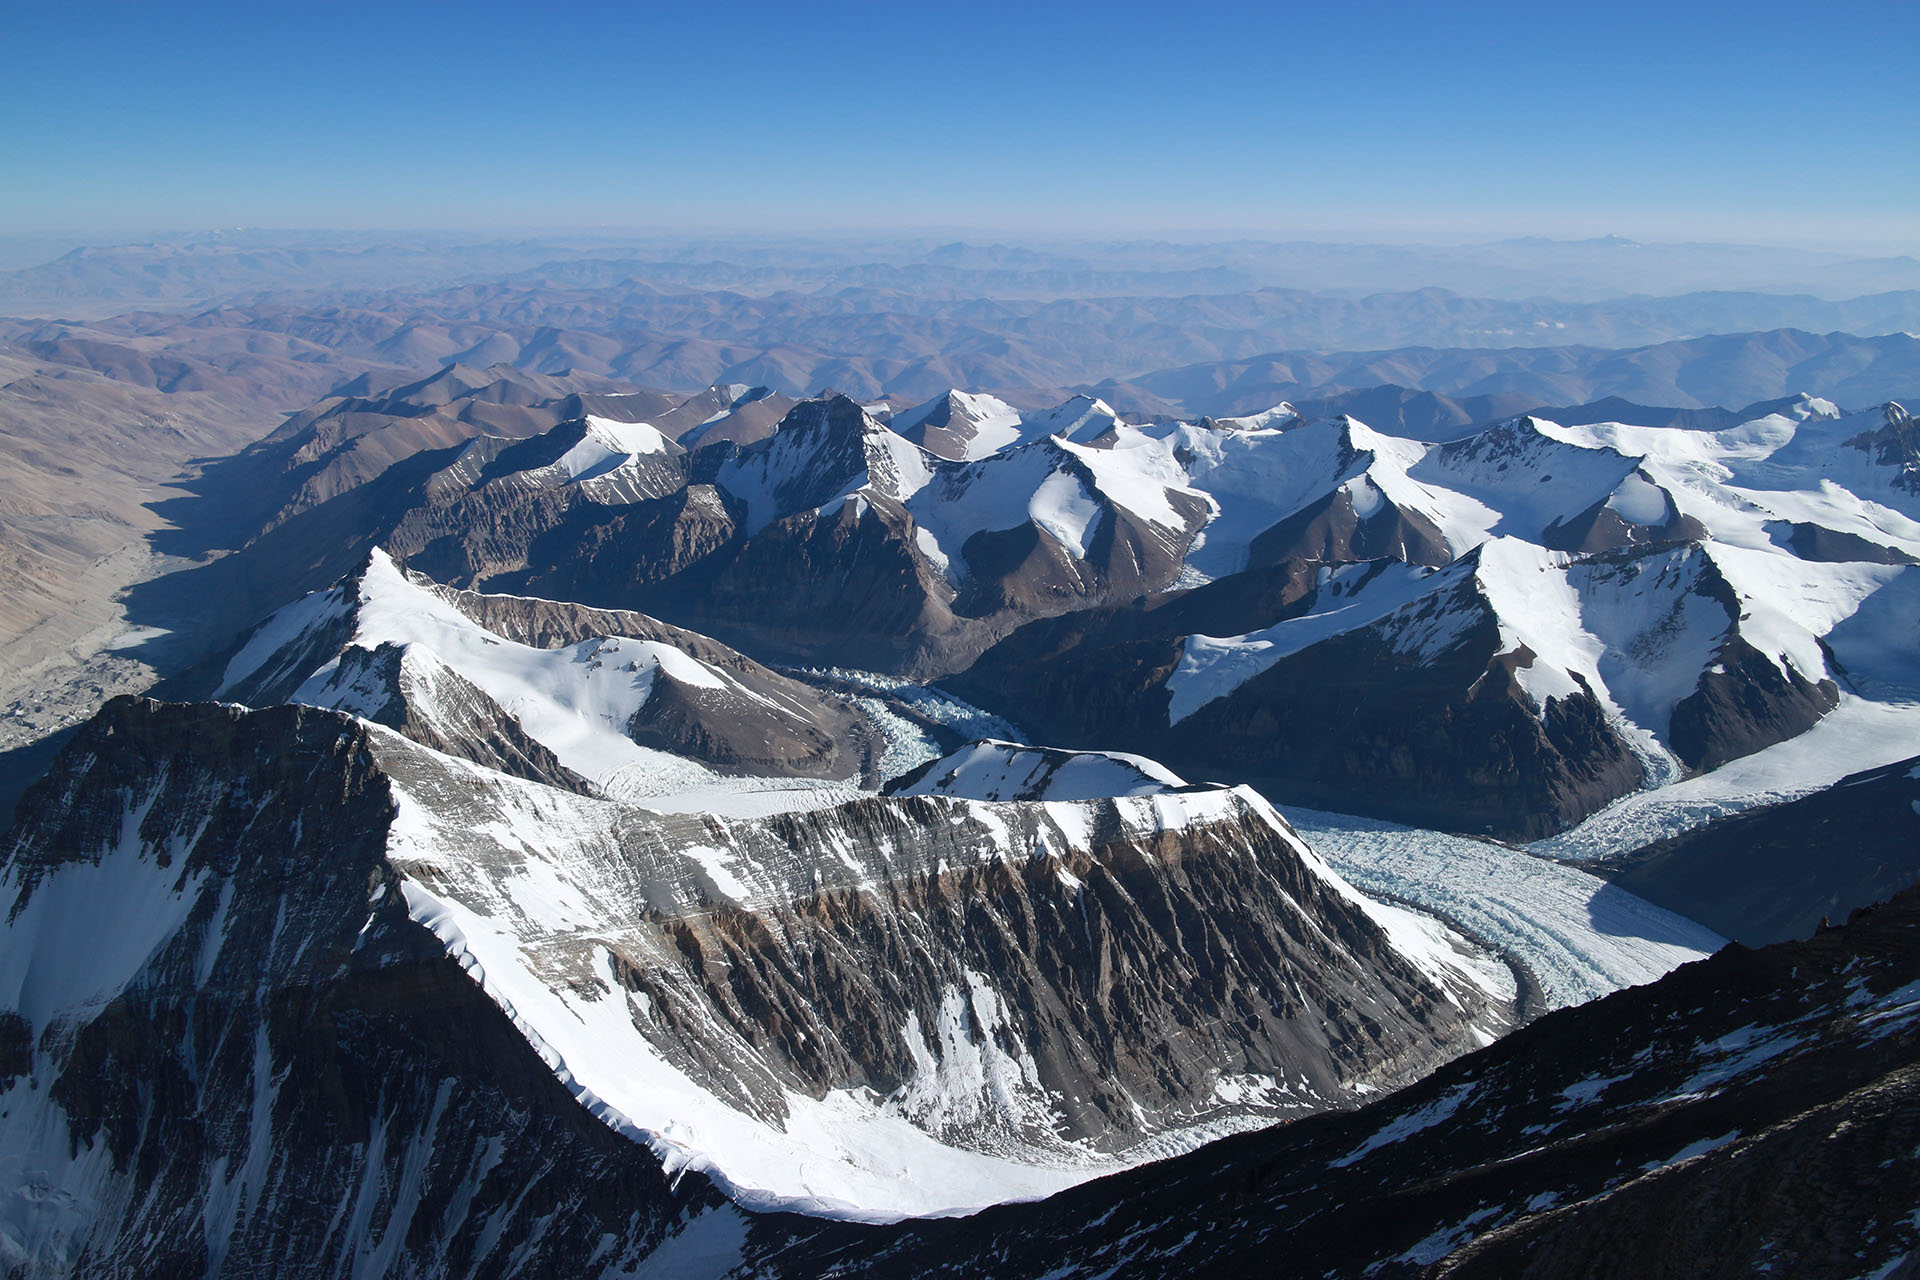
1738 124
980 235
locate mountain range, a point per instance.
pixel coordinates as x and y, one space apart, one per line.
1615 606
1429 811
874 342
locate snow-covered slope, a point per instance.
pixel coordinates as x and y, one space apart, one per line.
825 451
973 1120
1639 630
959 426
1788 481
646 877
1556 492
964 426
1349 597
635 716
605 460
995 770
1081 419
1064 491
1698 595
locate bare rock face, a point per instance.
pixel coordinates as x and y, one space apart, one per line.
1895 444
824 449
1445 738
1332 531
846 584
658 552
1512 772
1746 705
1024 572
1812 541
736 735
344 442
1601 528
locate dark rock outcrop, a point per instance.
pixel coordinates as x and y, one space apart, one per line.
1745 704
1353 722
1450 740
1774 873
1812 541
1895 444
387 688
1601 528
1331 531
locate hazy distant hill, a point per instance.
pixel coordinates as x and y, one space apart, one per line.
1151 354
1721 369
50 277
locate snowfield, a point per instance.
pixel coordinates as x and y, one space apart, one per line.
576 701
1002 771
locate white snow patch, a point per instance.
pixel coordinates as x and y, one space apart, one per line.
1420 1118
88 927
1639 501
1002 771
1065 511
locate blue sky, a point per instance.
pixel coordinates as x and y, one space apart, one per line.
1753 121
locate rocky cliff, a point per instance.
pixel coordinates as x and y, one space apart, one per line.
281 984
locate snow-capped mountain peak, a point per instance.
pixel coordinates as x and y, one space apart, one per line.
824 451
1276 418
1081 418
960 426
660 715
